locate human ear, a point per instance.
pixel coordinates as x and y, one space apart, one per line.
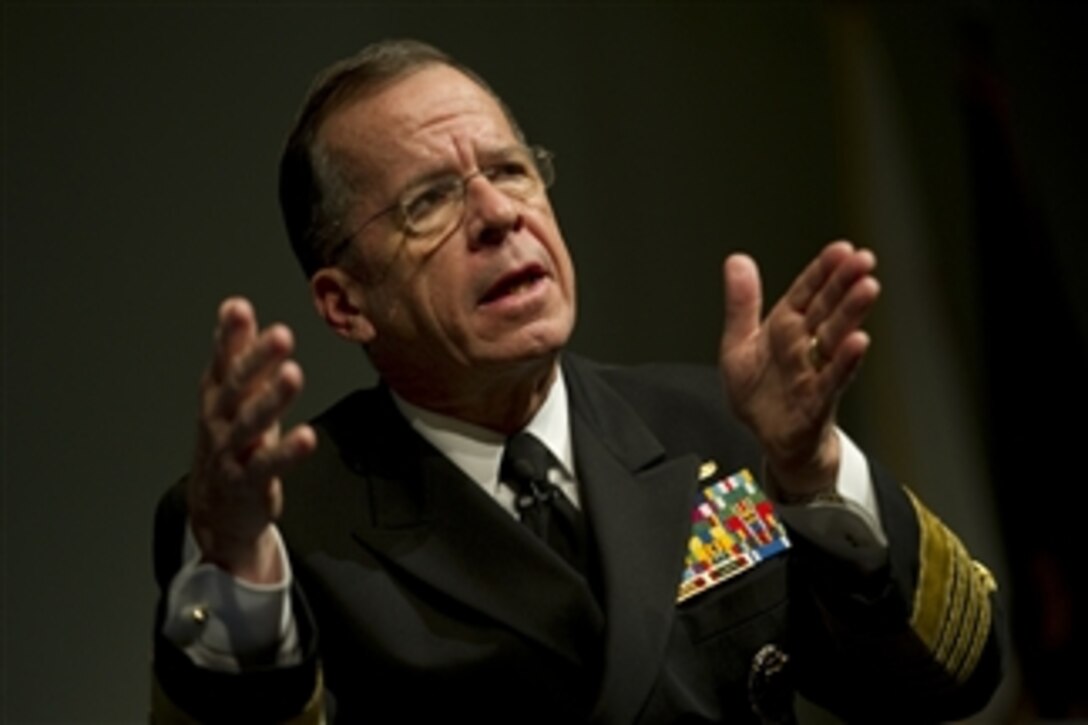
340 301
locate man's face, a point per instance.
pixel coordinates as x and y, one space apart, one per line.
496 289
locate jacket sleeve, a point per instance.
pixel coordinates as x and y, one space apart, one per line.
917 640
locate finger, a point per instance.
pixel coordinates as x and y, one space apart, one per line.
842 367
292 448
262 411
812 279
848 315
841 280
251 370
789 340
236 329
743 300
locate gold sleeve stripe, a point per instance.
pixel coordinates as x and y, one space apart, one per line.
987 584
951 608
165 712
934 572
968 629
956 606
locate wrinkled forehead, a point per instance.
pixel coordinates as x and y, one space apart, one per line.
414 124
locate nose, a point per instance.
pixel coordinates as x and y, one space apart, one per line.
490 215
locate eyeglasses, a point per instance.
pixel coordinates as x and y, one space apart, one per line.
433 207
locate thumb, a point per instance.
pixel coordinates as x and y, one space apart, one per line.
743 300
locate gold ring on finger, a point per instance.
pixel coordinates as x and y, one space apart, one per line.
816 357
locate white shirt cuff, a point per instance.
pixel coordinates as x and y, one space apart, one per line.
225 623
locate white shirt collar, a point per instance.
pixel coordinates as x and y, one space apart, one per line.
478 451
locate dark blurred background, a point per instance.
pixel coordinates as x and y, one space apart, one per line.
139 151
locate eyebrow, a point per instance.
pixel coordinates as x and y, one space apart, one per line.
483 156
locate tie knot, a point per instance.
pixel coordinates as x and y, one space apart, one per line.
525 465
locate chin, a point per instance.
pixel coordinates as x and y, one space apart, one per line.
539 343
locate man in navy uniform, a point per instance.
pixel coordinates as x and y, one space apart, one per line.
508 532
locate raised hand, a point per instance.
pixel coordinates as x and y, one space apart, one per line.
234 490
784 374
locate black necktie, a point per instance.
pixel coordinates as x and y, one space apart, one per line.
542 506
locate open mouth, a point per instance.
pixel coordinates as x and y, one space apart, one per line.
514 283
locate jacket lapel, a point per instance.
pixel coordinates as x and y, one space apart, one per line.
639 502
423 518
429 521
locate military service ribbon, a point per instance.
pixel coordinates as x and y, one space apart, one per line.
733 528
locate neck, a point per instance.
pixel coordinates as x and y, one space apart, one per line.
500 400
